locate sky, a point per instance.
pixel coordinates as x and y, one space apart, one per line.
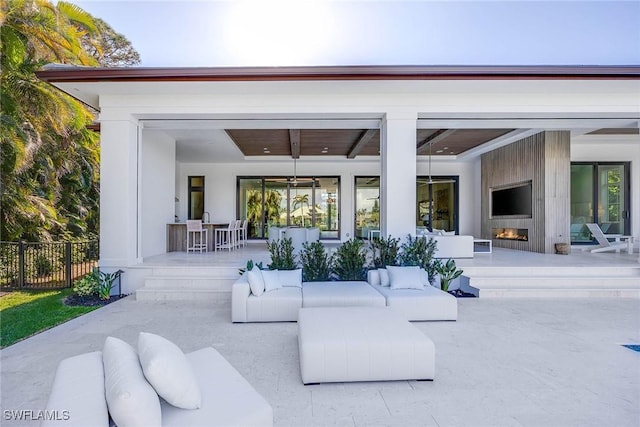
191 33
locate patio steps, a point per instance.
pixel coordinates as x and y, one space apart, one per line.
554 282
188 284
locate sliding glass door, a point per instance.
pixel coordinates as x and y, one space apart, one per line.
367 205
599 194
277 201
437 204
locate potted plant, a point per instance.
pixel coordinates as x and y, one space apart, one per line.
282 257
384 252
447 272
349 260
316 264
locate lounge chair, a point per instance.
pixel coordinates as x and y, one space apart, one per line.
605 245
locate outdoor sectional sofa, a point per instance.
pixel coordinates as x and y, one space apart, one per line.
156 386
414 301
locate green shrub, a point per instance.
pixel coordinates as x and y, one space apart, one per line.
249 266
86 286
316 264
418 251
105 282
384 251
448 272
349 260
282 257
43 265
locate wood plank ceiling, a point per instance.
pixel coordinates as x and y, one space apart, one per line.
353 142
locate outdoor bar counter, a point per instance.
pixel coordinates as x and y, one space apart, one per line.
177 235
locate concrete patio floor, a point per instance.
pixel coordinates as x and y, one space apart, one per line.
505 362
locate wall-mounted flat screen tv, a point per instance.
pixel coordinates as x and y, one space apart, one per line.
512 201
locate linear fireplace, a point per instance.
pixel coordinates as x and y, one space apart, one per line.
520 234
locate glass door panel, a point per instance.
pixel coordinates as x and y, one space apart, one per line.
326 213
599 194
581 202
367 206
275 205
436 204
300 202
611 199
250 197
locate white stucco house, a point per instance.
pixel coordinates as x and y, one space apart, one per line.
370 140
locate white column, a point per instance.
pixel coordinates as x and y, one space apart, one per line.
119 232
398 174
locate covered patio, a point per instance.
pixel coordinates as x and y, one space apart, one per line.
504 362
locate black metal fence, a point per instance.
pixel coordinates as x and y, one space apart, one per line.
45 265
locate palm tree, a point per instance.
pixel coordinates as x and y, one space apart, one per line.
49 160
298 202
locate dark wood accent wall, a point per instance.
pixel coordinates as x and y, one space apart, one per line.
543 159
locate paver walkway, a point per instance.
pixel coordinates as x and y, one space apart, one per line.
505 362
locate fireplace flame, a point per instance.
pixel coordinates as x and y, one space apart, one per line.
511 234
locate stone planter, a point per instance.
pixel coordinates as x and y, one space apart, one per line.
562 248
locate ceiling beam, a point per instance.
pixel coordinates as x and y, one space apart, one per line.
294 140
434 138
361 143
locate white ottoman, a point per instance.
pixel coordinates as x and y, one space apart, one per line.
341 294
340 344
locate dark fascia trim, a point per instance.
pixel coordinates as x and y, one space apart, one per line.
140 74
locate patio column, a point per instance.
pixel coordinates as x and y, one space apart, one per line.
118 192
398 174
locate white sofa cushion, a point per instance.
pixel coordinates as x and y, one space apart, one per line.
428 303
340 294
271 280
280 305
130 398
384 277
227 398
256 282
373 277
78 393
290 278
168 371
405 277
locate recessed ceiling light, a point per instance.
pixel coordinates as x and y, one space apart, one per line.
266 152
439 151
324 151
445 148
452 152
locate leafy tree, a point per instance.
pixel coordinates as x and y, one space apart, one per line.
110 48
49 159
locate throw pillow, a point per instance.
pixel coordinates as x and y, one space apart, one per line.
256 282
405 277
425 277
169 372
291 278
373 277
384 277
271 280
130 398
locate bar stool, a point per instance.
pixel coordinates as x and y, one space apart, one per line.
243 233
197 236
225 237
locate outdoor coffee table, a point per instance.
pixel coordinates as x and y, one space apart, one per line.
340 344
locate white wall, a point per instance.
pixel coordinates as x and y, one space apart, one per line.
220 184
157 183
613 148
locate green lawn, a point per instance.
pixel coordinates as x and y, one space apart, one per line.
25 313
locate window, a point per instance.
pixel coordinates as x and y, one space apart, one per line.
196 197
276 201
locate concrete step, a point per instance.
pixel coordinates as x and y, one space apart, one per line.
558 293
545 282
217 297
206 271
571 271
190 282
